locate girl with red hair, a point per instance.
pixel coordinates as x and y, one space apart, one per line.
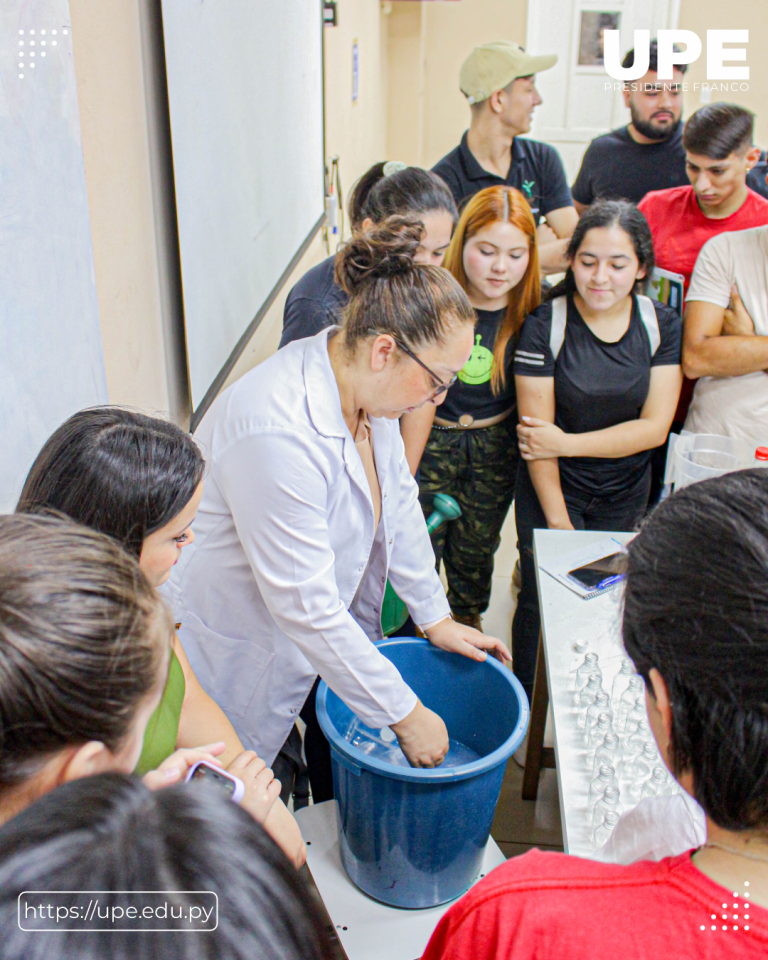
472 451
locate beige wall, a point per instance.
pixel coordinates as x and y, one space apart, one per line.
110 88
112 92
427 45
700 15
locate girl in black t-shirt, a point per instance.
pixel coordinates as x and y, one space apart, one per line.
472 452
598 376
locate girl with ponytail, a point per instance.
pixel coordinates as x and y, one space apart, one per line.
387 189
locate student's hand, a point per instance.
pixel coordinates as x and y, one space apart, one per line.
174 768
261 788
459 638
423 737
737 322
541 440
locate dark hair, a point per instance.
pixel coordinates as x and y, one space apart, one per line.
653 57
718 130
110 833
407 191
390 293
120 472
609 213
696 608
83 639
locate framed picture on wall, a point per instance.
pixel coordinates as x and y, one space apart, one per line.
594 23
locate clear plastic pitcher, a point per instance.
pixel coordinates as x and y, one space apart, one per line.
701 456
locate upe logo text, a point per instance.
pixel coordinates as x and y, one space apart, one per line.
717 53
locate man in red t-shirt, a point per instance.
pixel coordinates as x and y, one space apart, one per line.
719 154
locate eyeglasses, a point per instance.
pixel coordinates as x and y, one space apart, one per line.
440 386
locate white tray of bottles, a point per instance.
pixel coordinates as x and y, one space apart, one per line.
606 753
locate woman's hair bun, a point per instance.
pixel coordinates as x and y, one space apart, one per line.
388 249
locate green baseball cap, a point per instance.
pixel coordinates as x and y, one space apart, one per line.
494 65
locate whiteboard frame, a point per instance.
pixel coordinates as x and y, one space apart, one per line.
172 242
242 343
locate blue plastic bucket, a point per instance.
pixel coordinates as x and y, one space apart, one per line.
415 837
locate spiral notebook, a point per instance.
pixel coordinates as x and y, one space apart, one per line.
561 566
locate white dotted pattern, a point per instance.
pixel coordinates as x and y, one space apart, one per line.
734 916
32 44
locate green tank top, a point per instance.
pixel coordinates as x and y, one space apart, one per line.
163 727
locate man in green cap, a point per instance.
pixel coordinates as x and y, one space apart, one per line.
498 81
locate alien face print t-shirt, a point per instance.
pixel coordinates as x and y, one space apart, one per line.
472 392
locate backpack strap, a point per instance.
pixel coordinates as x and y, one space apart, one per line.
557 333
651 322
559 313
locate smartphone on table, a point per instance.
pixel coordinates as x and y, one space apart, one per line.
601 573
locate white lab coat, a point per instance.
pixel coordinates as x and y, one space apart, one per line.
283 540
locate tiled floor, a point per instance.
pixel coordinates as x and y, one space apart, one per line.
521 824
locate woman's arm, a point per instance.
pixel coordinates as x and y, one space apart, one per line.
536 398
203 721
544 440
414 429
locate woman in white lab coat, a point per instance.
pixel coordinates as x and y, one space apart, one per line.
309 506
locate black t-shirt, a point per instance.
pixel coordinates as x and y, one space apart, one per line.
536 171
313 304
472 391
756 177
615 167
598 385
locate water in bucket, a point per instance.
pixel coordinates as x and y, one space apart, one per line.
382 745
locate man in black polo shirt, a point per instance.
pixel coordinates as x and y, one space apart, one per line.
648 153
498 80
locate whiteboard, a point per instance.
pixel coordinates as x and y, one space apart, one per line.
51 361
246 106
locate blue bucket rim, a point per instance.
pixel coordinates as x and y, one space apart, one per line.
428 774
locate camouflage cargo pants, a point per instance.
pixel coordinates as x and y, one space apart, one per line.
477 468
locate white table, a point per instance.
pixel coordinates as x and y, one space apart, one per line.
367 929
565 619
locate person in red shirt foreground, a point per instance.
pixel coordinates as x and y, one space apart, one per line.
695 623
